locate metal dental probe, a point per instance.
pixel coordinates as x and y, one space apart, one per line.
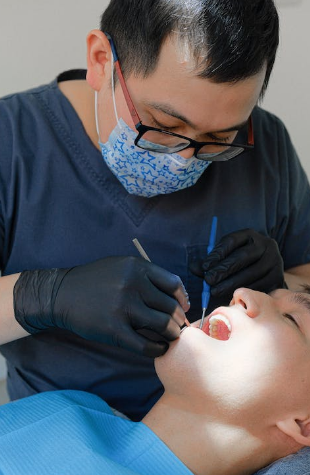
146 257
205 296
141 250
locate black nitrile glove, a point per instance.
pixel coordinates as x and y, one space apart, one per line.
243 258
107 301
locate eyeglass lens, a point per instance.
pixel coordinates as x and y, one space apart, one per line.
164 143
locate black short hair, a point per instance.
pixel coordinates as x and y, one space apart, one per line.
229 40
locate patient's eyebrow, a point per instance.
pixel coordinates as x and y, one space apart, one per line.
301 299
306 288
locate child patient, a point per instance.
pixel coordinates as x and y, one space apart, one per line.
231 405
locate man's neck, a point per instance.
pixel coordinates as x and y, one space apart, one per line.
82 98
203 444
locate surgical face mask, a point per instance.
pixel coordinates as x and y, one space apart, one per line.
145 173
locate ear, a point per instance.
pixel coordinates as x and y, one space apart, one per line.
298 429
99 56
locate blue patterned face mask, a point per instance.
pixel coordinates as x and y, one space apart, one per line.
146 173
142 172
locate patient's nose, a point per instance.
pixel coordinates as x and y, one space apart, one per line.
249 300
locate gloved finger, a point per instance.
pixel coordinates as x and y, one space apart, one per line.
158 322
169 283
158 300
269 282
140 345
235 262
182 297
154 349
227 245
245 278
196 267
266 283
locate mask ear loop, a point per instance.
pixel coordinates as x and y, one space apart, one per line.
96 115
112 84
113 98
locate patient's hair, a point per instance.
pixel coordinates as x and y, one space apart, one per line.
229 40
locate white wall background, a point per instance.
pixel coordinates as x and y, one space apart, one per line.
288 93
40 38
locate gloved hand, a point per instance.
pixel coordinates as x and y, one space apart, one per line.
243 258
106 301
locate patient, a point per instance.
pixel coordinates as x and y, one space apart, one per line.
234 402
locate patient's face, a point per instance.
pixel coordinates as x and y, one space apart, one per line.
263 367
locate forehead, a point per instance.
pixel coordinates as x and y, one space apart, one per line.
175 82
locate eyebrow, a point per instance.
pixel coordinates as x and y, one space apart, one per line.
301 299
167 109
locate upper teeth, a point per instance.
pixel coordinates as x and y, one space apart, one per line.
216 318
217 331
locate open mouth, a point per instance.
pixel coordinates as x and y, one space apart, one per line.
217 327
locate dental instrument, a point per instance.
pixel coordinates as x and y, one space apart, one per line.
146 257
205 296
141 250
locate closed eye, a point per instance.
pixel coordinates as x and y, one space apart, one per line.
290 317
175 129
220 139
158 125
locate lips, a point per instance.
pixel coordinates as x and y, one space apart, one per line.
218 327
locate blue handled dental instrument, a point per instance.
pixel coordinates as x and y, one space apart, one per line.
205 296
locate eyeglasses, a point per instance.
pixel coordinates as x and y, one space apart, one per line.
163 141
